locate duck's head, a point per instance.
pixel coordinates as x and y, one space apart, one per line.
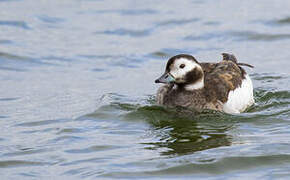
184 71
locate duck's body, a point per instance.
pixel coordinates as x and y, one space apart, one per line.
223 86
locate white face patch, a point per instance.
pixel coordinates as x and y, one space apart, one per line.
181 67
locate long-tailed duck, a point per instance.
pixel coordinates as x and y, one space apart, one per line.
224 86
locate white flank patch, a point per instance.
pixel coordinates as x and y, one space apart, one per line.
240 98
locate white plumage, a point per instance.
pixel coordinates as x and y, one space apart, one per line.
240 98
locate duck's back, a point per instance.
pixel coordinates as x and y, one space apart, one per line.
228 84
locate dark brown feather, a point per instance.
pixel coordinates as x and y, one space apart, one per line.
226 76
219 79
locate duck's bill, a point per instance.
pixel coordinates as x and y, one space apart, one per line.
165 78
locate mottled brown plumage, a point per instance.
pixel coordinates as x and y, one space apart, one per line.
219 79
226 76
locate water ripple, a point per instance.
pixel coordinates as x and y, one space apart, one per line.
90 160
9 99
18 24
5 41
130 12
13 62
25 152
91 149
255 36
238 36
284 21
5 55
12 69
19 163
127 32
42 123
177 22
50 19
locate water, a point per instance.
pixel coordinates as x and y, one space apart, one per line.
77 90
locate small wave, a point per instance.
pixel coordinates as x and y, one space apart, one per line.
216 168
18 24
25 152
19 163
5 41
284 21
9 99
255 36
238 36
42 123
13 62
4 55
91 149
12 69
127 32
127 12
49 19
278 22
177 22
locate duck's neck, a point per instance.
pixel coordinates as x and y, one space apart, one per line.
195 86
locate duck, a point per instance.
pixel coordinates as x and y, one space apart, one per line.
223 86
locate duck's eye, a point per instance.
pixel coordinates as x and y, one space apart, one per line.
182 66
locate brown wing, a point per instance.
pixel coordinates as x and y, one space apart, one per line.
208 67
221 79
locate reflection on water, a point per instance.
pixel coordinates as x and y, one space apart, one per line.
183 131
179 132
185 136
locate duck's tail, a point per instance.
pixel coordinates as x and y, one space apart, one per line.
231 57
